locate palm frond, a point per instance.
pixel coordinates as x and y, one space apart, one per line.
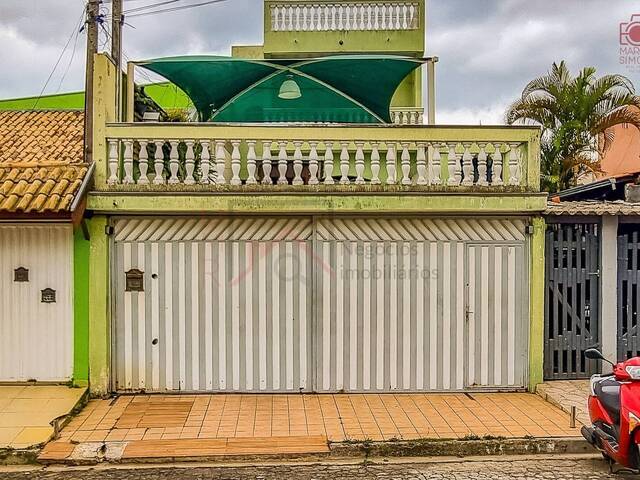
577 115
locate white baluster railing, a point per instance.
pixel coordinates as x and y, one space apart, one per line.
190 163
251 163
174 164
350 16
236 163
158 163
407 116
313 163
267 166
128 162
143 163
205 162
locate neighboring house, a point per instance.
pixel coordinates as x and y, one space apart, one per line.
623 156
168 96
592 274
43 253
286 255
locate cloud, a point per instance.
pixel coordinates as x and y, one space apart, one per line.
487 57
489 115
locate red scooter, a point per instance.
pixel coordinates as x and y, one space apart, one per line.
614 408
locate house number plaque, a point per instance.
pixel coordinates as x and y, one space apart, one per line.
134 281
48 295
21 275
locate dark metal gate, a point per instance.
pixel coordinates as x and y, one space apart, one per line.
571 299
628 290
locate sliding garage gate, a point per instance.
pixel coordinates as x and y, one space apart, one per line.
302 304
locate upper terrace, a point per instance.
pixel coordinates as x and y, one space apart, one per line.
361 26
293 118
375 157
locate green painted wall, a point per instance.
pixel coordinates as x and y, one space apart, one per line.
284 44
63 101
99 308
167 95
247 51
81 309
317 203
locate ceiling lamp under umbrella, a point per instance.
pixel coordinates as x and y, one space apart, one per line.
289 90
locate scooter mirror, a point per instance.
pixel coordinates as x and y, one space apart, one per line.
593 354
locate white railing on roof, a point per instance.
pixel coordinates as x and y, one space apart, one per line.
323 161
343 16
407 115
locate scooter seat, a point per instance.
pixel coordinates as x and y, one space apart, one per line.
608 392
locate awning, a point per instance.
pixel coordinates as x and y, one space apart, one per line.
341 89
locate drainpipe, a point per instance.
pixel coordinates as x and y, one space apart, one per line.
608 288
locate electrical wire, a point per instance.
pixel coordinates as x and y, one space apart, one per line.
126 57
73 54
151 5
55 67
175 9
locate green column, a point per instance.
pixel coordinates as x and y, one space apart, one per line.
81 309
99 309
536 328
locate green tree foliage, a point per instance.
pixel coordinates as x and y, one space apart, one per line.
576 115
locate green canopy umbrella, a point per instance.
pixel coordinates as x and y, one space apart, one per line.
342 89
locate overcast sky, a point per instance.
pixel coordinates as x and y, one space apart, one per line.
488 49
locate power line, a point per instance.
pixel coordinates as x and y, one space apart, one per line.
175 9
73 54
151 5
64 49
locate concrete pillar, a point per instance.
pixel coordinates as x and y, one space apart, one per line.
609 288
99 308
536 307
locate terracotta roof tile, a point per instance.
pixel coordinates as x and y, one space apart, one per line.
41 160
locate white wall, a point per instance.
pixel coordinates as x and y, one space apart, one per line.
36 339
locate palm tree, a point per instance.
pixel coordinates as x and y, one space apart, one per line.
577 116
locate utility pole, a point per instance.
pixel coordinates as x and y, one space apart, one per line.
91 25
117 20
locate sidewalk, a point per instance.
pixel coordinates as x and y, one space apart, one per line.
565 394
144 426
28 412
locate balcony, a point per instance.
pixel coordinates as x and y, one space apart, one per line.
299 28
196 157
304 16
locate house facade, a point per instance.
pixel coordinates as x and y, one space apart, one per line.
591 275
295 256
43 251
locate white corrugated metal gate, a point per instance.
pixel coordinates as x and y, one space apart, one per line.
289 304
36 330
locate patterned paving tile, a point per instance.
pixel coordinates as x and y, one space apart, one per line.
339 417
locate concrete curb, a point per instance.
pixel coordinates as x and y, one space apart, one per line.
365 451
9 456
462 448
